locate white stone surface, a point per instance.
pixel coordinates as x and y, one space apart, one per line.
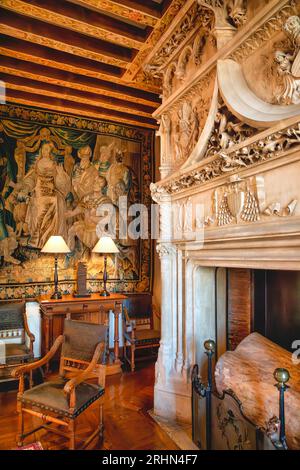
35 326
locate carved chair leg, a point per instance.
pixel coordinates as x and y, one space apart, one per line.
30 379
20 438
132 357
72 434
125 352
101 425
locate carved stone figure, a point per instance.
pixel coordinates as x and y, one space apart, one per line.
186 131
288 65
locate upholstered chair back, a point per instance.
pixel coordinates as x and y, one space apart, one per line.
12 321
81 339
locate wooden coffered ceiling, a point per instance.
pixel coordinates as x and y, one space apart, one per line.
83 56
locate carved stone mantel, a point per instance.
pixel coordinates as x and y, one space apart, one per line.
239 182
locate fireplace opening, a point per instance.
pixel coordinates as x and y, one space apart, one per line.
231 304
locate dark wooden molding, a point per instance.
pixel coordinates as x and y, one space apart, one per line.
68 106
60 77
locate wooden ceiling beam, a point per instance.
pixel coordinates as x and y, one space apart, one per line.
54 91
58 38
134 13
42 55
81 20
146 6
78 109
53 76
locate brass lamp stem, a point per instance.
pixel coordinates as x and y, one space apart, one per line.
56 294
105 292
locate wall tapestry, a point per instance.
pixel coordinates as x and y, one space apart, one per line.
55 170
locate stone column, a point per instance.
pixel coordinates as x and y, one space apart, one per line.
164 132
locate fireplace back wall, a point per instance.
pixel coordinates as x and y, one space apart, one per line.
277 306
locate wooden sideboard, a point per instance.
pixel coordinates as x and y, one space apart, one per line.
94 309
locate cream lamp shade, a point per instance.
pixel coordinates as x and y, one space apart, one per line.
55 244
105 245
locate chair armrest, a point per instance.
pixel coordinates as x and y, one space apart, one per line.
18 371
27 330
72 383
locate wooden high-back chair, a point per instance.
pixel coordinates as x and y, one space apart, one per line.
61 401
16 338
137 339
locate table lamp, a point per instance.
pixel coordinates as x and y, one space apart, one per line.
56 245
105 246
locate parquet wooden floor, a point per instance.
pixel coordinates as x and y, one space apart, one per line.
127 425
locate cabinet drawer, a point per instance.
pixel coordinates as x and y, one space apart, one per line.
62 309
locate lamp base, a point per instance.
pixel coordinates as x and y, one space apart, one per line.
104 293
56 295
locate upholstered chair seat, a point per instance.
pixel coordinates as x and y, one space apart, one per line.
50 396
15 353
144 336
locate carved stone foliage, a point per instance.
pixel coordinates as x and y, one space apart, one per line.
266 32
228 131
197 15
185 46
237 158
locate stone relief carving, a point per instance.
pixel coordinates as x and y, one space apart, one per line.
228 12
288 65
265 33
244 200
182 62
164 133
236 201
183 131
228 131
276 209
236 158
183 220
195 16
159 68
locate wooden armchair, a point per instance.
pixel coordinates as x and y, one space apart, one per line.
138 339
61 401
17 340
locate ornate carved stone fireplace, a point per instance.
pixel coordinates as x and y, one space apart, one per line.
230 144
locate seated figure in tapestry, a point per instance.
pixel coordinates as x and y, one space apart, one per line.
84 228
